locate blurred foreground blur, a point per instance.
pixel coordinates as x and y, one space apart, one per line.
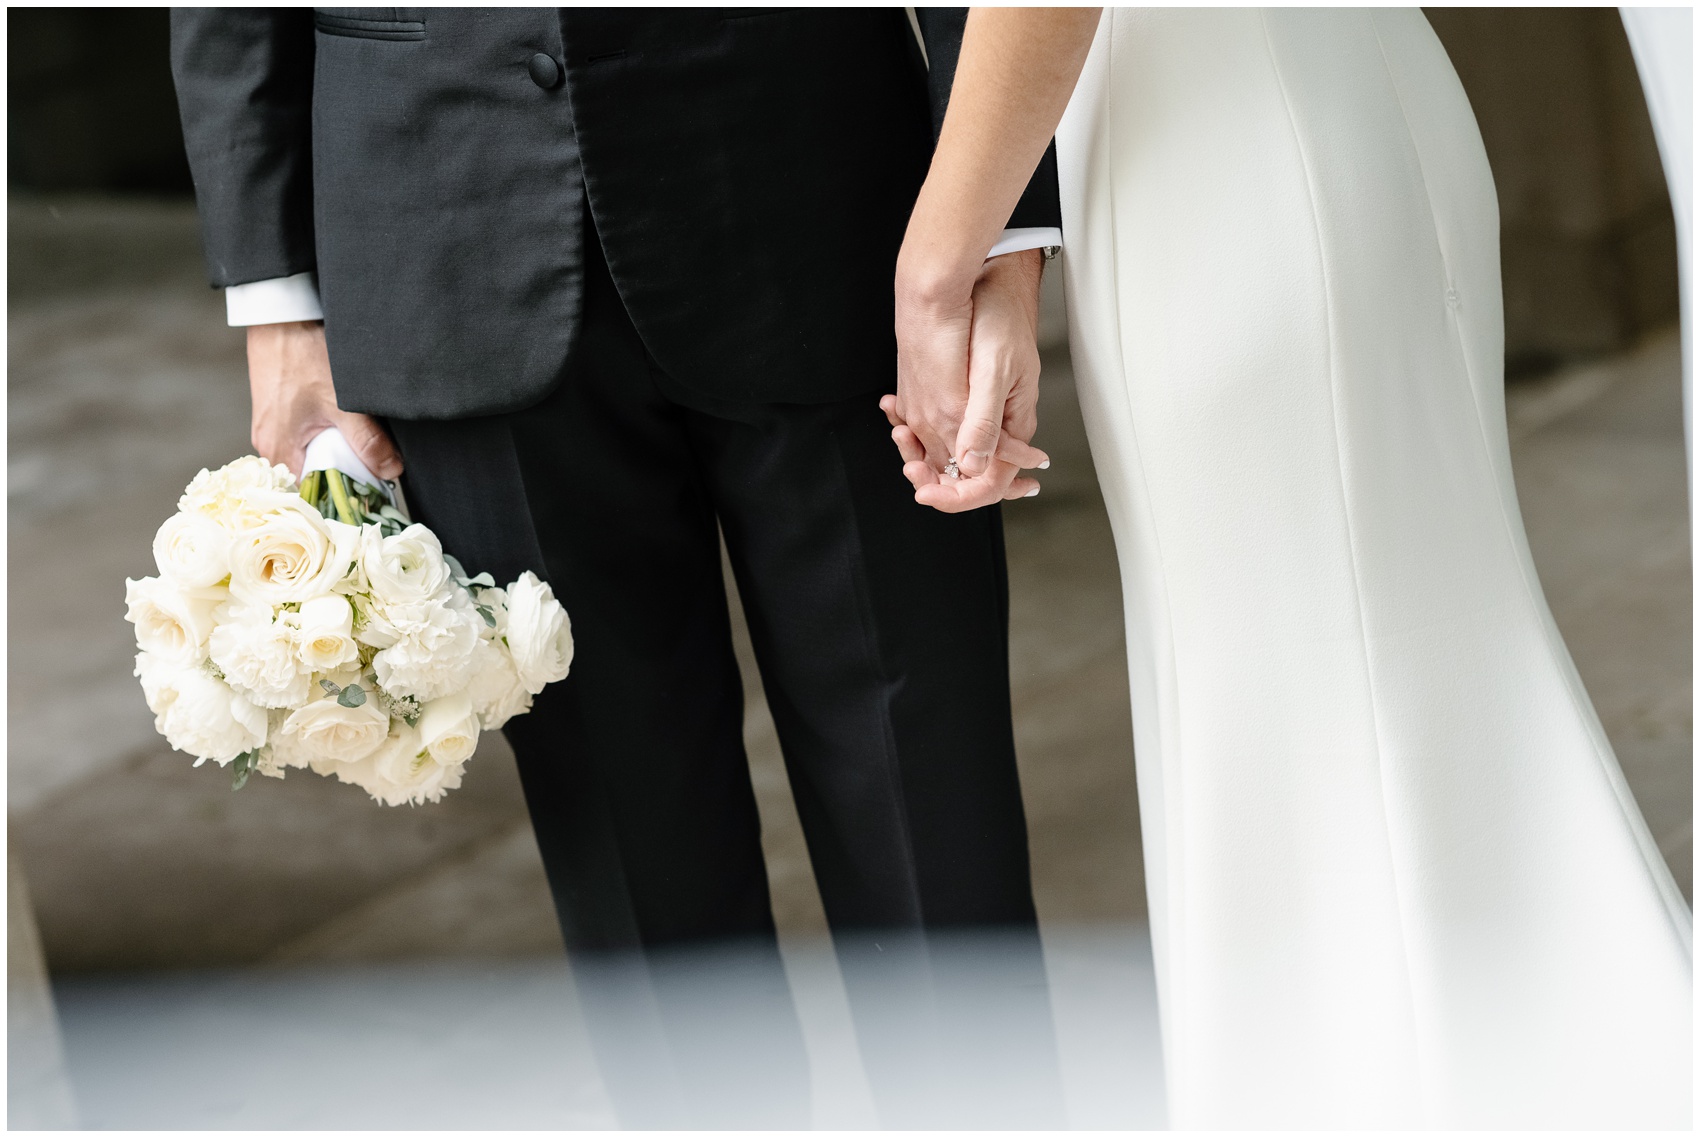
498 1045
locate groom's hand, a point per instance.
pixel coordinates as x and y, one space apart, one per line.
289 377
968 376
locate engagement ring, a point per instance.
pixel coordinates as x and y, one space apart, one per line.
951 471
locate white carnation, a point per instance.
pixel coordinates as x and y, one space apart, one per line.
448 728
496 693
431 653
224 495
404 567
192 550
293 554
172 622
326 638
198 713
257 655
326 731
539 633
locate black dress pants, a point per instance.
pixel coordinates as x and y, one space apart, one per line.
880 628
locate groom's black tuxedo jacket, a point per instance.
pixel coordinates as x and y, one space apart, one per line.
749 172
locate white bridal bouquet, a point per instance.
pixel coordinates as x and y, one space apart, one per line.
313 626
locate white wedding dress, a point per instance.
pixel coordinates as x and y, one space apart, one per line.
1396 877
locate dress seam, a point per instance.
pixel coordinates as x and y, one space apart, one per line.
1351 537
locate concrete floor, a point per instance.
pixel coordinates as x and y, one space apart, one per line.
124 381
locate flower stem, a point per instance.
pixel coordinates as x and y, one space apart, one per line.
312 487
339 495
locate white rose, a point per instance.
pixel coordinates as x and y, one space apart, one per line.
218 495
539 633
432 653
448 727
292 555
257 655
406 567
192 550
198 713
497 695
326 638
172 622
329 732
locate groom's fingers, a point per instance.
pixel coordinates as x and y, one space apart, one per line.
888 404
370 442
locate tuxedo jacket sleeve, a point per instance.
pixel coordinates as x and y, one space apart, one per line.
244 88
941 29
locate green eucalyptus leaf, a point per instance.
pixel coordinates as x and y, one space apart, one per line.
489 617
330 687
240 769
352 696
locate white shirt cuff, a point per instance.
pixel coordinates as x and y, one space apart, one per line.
1015 240
274 301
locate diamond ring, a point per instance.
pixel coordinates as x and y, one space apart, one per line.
951 470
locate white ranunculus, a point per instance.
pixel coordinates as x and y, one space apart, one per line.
192 550
219 495
326 638
539 633
432 653
198 713
292 555
326 731
405 567
448 727
257 655
172 622
497 695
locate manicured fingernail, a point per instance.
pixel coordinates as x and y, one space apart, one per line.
1046 465
981 453
1031 493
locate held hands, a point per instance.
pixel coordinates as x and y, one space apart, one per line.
968 385
289 377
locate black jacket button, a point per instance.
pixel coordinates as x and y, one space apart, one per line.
545 72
